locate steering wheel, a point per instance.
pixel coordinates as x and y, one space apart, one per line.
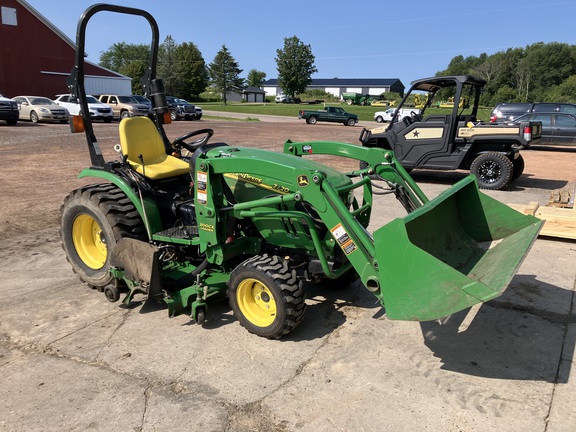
192 146
414 117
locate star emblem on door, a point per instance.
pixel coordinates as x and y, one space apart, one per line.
415 134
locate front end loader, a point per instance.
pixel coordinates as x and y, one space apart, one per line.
192 221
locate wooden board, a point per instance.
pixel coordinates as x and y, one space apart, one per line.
559 222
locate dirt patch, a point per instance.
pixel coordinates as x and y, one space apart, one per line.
40 163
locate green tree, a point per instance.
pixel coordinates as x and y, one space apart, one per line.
135 70
295 65
190 71
166 68
565 92
128 59
121 54
550 64
255 78
505 94
224 73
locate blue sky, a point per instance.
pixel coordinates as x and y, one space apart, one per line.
350 39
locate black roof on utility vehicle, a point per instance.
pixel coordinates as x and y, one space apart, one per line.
435 83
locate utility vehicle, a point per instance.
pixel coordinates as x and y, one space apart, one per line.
458 140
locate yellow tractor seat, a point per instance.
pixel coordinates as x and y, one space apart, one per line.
139 136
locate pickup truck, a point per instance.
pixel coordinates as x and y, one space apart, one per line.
329 114
182 109
124 106
388 115
9 110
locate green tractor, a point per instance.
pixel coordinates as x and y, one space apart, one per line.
257 226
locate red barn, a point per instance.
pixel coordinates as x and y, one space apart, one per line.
36 57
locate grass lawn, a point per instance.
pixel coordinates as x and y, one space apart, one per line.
365 113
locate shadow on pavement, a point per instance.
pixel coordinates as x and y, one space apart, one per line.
507 340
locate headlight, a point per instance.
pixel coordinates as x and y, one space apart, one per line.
133 109
44 110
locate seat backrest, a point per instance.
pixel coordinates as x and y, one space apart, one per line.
139 136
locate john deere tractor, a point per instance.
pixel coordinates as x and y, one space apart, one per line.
194 220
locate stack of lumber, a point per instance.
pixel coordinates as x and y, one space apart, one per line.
559 214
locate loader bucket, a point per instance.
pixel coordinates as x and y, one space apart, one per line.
459 249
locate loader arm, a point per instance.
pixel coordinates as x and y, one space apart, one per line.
380 162
448 254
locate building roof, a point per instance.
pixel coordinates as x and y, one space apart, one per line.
250 89
47 23
62 36
344 82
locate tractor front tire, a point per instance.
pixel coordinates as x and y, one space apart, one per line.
493 170
92 220
266 296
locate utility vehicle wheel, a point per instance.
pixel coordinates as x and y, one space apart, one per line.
518 167
493 170
350 122
312 120
34 117
173 116
124 114
92 220
266 296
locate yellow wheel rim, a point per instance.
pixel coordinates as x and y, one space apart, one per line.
256 302
89 241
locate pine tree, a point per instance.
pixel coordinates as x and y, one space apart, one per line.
224 73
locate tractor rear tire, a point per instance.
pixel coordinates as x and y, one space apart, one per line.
266 296
493 170
92 220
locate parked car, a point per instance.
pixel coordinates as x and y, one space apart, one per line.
388 115
40 109
142 100
557 128
507 112
180 109
282 98
98 110
8 110
124 106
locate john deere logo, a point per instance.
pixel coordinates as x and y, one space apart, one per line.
303 181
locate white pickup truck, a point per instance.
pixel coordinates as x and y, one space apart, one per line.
386 116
